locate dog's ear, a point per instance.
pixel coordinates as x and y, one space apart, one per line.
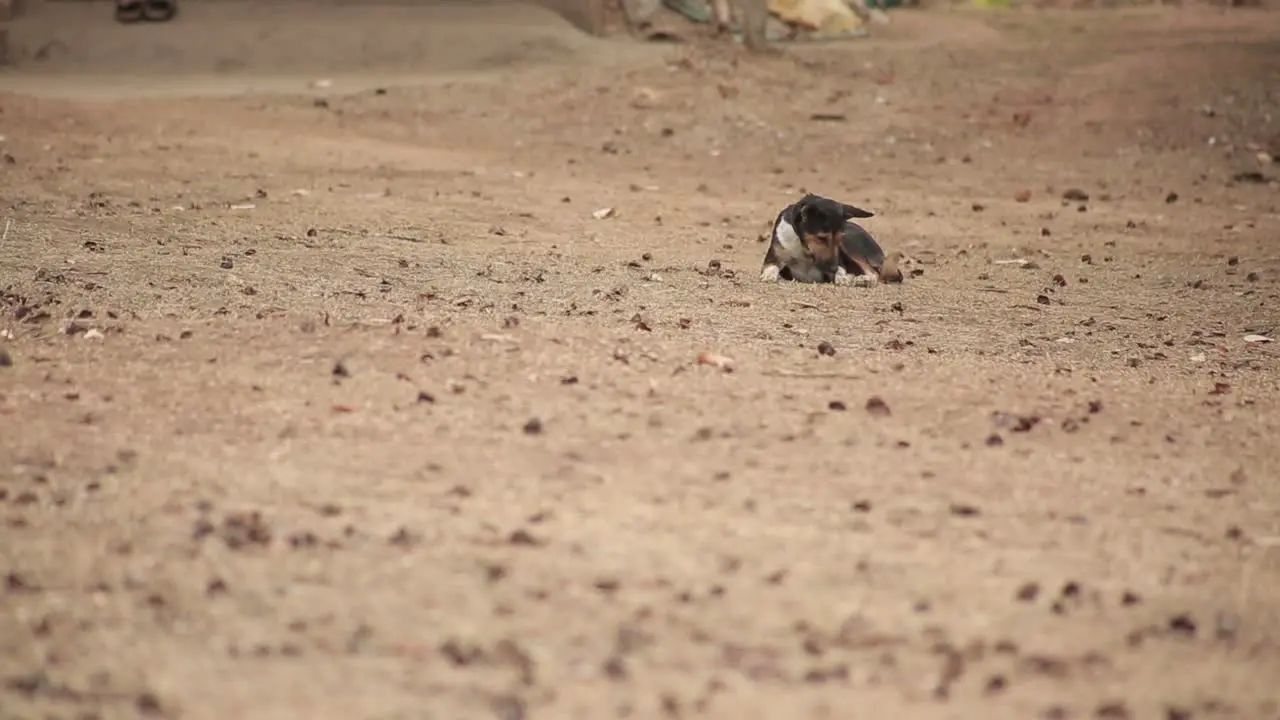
803 210
851 212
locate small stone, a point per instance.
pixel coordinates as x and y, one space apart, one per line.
148 704
1114 710
523 537
615 668
1182 624
1028 592
877 407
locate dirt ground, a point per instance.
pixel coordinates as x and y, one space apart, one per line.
339 402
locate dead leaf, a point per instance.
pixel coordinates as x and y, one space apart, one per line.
715 360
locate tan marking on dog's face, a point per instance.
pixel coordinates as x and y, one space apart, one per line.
824 247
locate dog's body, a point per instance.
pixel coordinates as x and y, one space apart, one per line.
815 241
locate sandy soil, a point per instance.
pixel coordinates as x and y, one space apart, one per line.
340 403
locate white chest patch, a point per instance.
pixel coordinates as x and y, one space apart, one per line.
789 239
792 254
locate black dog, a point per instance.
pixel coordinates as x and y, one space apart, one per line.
815 242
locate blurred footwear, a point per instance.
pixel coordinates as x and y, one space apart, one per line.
159 10
128 11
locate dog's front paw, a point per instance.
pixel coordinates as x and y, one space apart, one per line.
770 273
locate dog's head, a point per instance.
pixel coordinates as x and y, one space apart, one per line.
820 224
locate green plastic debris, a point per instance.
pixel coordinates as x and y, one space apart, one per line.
692 9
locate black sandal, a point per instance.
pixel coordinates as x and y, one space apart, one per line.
159 10
128 11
